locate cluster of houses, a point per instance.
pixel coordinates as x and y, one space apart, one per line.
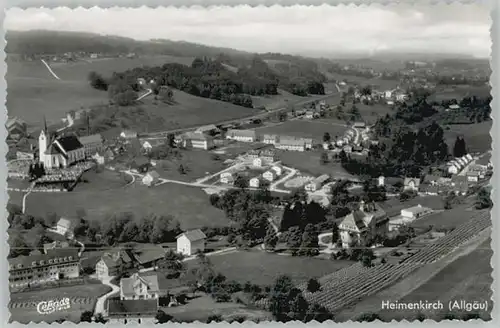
434 184
458 164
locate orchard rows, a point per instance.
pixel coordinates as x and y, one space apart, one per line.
348 285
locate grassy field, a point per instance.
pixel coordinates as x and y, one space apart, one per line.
458 281
393 205
198 164
309 162
33 98
263 268
460 91
370 114
25 315
277 101
203 306
446 219
477 136
93 181
304 128
106 66
188 110
189 205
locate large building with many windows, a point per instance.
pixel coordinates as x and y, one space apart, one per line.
32 270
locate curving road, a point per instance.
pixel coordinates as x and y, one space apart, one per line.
99 305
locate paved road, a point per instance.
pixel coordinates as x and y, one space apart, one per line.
99 306
50 69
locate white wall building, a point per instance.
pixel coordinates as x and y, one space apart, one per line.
189 242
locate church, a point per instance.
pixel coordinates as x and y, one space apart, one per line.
59 152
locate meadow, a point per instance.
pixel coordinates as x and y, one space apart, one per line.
263 268
477 136
189 205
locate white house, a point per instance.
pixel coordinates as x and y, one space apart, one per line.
151 178
452 169
473 176
65 227
140 287
257 162
411 184
228 179
189 242
407 216
99 158
415 212
278 170
317 183
254 182
381 181
241 135
269 175
128 134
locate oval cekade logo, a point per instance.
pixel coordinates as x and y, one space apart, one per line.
47 307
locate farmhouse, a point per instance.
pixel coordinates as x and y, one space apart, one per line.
269 175
141 287
407 216
151 178
92 144
132 311
355 226
381 181
112 263
146 255
293 143
411 184
61 263
317 183
59 152
252 154
254 182
190 242
242 135
257 162
65 227
197 140
148 145
277 169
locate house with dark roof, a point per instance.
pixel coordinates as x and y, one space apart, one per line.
112 263
189 242
354 227
146 255
54 245
131 311
32 270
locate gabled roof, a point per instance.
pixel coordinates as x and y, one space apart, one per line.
68 143
149 280
91 139
66 223
415 180
146 253
193 235
196 136
53 149
14 121
241 133
153 174
132 307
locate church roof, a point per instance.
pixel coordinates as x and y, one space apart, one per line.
69 143
52 150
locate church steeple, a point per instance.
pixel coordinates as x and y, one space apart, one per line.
45 130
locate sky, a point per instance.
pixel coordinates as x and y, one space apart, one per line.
305 30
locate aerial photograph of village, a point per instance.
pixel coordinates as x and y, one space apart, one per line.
249 164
